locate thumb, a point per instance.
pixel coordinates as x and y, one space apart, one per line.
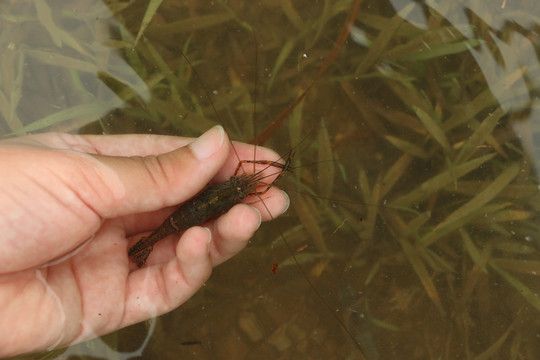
140 184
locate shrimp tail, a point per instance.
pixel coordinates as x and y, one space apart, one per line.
139 252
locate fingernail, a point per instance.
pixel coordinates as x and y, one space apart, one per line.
259 214
209 237
208 143
287 202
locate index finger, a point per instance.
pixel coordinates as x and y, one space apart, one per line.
110 145
139 145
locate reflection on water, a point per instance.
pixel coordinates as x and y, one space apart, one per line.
56 58
421 233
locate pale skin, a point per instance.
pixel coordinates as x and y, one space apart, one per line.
70 206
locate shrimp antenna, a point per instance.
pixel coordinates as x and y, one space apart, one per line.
255 94
206 92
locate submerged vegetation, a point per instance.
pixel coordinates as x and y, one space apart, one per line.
415 194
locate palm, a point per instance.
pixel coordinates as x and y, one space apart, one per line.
89 289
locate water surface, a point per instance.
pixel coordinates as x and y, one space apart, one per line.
415 202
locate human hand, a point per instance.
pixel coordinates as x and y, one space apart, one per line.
70 206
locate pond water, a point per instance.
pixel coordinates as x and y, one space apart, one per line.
414 199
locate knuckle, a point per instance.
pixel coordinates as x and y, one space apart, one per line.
159 170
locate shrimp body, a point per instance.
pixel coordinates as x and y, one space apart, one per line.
211 202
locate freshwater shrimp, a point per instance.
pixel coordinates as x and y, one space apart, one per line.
213 201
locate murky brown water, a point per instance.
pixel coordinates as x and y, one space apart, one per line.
415 204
